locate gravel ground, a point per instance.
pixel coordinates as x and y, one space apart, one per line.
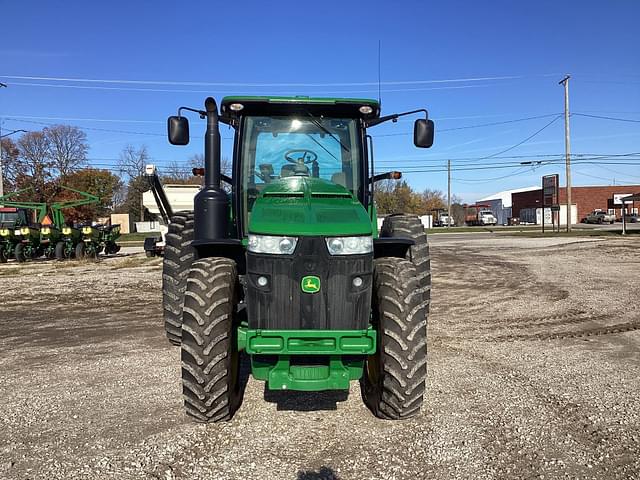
534 372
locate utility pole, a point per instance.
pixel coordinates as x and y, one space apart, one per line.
449 193
1 178
567 147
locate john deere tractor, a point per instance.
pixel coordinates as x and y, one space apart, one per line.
11 218
289 267
20 235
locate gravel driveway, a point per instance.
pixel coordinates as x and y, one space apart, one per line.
534 372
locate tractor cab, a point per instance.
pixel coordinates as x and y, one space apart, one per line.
290 268
12 217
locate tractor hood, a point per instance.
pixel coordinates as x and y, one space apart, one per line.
310 207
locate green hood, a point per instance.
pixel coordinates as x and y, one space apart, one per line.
308 206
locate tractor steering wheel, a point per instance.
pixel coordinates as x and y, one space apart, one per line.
308 156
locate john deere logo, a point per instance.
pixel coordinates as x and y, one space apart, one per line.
310 284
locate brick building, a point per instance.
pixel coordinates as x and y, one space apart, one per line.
585 199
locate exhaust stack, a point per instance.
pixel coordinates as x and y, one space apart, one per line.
211 204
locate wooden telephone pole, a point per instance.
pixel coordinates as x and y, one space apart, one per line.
567 147
449 193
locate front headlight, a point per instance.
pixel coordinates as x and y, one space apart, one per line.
66 230
4 232
272 244
349 245
86 230
24 230
45 231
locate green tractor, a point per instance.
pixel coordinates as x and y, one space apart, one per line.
10 219
25 238
289 267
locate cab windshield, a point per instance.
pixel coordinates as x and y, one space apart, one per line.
280 147
9 218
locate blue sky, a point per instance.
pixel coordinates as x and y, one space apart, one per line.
506 58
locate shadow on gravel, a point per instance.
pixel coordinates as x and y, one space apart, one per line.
306 401
324 473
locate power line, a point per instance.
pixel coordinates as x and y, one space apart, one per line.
218 90
525 140
472 126
108 130
606 118
81 119
241 84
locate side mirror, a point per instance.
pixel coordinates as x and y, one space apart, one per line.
178 130
423 131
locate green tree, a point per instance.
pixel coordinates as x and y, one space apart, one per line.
101 183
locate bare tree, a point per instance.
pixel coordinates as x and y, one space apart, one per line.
179 174
132 161
9 162
34 161
198 161
132 164
67 148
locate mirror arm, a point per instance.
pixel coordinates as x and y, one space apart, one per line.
394 117
202 113
199 172
385 176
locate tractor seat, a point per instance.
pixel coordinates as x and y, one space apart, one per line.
290 170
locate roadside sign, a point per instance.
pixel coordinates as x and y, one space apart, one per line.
617 198
550 185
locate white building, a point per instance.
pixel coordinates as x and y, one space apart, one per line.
500 203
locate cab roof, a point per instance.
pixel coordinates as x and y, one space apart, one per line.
330 106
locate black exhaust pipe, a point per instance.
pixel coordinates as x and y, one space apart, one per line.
211 204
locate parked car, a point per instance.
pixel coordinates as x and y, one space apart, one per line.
632 218
600 216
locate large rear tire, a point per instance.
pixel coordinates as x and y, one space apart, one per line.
3 255
409 226
393 382
210 358
178 257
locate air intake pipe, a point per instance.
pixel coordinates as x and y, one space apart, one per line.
211 204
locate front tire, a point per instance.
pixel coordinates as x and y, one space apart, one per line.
178 257
210 357
393 382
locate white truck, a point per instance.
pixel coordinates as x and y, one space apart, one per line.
445 220
479 215
600 216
